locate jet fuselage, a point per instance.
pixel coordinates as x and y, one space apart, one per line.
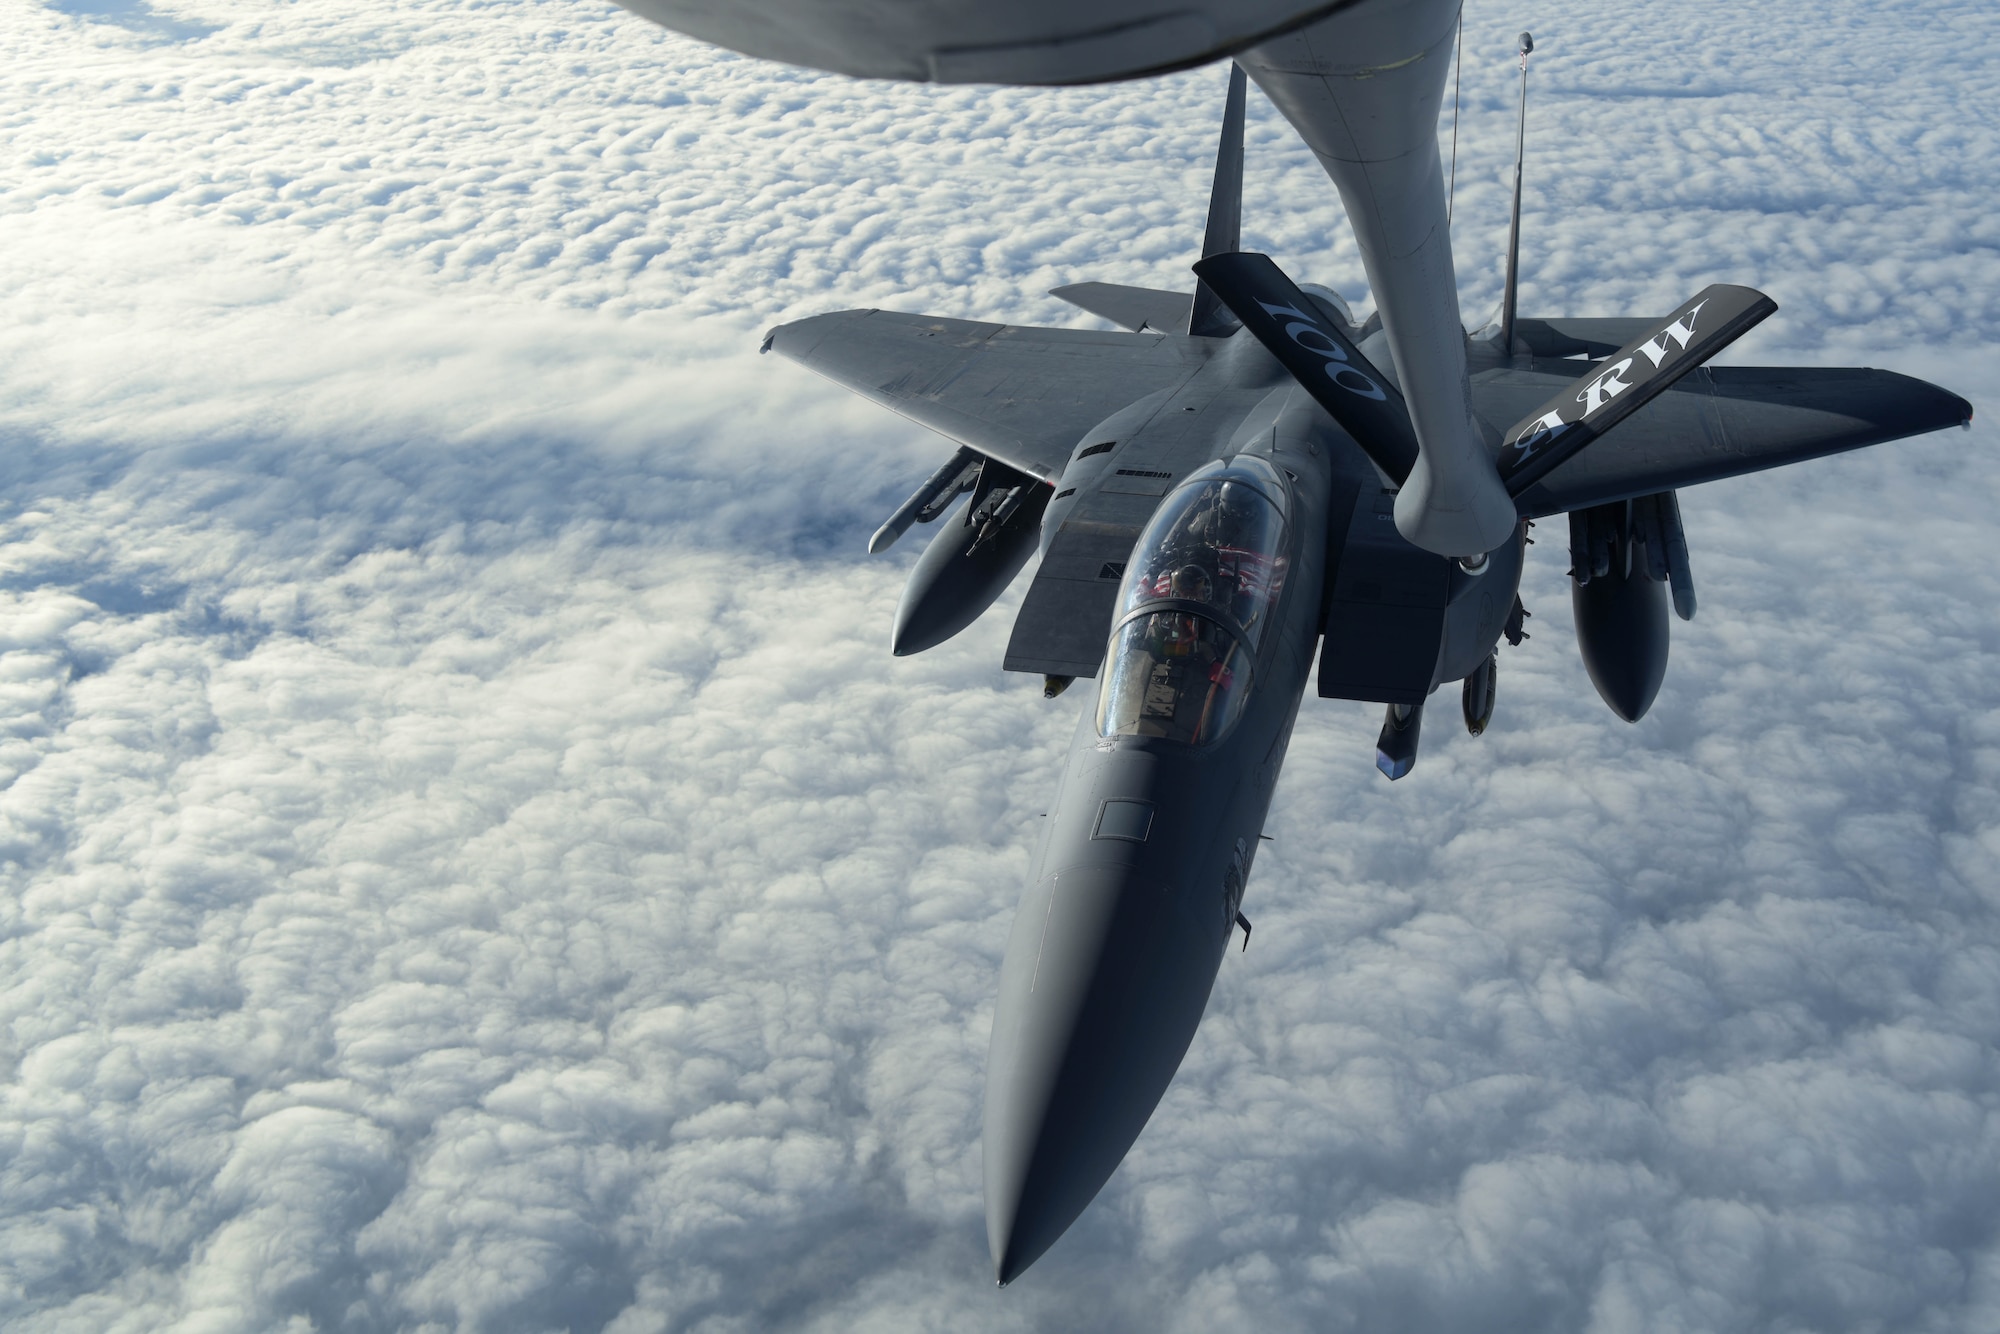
1137 883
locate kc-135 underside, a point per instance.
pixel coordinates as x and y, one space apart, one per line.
1249 475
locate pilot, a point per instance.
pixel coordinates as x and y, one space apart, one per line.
1178 634
1225 520
1190 582
1225 527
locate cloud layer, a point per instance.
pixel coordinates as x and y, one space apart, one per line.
471 863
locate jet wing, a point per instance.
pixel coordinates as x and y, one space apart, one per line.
1718 422
1020 395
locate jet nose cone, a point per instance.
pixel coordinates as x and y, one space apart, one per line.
1099 999
1036 1186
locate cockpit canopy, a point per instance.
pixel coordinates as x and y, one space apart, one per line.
1201 588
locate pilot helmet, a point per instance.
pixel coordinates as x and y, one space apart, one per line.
1191 582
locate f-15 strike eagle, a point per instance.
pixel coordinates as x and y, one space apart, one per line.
1249 474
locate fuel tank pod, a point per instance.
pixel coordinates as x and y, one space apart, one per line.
1621 627
1620 609
971 561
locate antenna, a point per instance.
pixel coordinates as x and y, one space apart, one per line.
1457 72
1527 44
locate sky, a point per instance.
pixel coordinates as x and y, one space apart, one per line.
471 863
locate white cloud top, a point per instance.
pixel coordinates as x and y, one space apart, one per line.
471 862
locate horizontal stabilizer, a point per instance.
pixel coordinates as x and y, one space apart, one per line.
1626 381
1719 422
1588 336
1320 356
1140 309
1020 395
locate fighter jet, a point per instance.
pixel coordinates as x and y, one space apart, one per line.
1249 472
1210 498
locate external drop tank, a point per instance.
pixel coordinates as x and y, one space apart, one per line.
1623 558
972 559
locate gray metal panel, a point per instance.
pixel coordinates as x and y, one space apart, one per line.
1127 820
1385 617
1066 617
1062 627
1137 482
1378 564
1384 654
1719 422
1023 396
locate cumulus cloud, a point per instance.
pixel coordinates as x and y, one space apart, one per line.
470 861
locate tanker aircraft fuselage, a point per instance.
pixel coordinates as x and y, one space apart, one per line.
1360 80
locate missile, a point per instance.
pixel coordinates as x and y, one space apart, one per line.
1477 696
971 561
961 472
1657 519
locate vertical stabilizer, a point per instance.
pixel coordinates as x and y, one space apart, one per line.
1209 317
